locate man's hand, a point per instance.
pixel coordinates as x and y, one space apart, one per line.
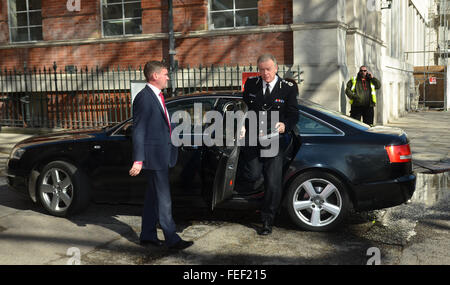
136 169
242 133
281 127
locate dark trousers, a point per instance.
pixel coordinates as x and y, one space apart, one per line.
158 207
366 113
272 170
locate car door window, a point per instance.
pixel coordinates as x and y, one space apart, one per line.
125 129
188 106
310 126
233 106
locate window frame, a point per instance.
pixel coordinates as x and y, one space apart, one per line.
121 130
337 131
122 20
234 10
28 26
188 101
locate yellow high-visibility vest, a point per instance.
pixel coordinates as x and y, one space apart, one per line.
372 88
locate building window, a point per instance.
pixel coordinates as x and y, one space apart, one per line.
25 20
121 17
233 13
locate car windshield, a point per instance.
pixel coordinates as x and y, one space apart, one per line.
334 114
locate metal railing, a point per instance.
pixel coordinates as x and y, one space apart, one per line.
75 98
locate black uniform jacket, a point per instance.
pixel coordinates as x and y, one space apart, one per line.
283 98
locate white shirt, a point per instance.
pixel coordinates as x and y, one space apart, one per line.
157 91
271 84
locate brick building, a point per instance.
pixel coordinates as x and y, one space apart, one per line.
328 39
128 33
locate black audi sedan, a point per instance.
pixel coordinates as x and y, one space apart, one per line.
332 164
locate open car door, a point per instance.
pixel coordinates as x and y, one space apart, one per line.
223 160
225 175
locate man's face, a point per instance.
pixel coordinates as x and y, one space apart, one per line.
363 71
161 78
268 69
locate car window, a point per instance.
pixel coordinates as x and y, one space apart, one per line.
308 125
336 115
122 130
188 106
232 105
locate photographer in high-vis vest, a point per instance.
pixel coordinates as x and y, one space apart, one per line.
361 91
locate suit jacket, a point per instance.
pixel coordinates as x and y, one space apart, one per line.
283 98
151 133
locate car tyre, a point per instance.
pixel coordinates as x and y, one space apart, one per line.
317 201
63 189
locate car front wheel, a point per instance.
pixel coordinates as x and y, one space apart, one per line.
63 189
317 201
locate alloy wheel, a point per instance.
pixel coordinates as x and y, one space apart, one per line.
317 202
56 189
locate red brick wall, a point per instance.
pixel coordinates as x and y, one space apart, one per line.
111 54
189 15
4 32
60 24
242 49
274 12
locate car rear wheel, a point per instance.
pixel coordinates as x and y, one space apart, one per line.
317 201
63 189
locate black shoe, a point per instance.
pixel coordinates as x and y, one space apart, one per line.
182 244
266 229
156 242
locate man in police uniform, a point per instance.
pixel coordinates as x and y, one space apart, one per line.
265 94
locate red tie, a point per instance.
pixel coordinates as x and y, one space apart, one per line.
165 111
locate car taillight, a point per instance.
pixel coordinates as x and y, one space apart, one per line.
399 153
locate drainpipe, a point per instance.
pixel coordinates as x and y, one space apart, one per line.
172 51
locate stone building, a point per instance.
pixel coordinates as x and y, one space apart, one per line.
332 39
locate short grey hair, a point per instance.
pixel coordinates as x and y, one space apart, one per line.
265 57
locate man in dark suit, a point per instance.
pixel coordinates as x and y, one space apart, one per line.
269 95
154 153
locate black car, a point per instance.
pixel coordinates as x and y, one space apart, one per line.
332 164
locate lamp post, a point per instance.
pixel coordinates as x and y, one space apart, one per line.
172 51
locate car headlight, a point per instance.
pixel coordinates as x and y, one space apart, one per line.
16 153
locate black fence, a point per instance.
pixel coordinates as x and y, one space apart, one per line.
75 98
